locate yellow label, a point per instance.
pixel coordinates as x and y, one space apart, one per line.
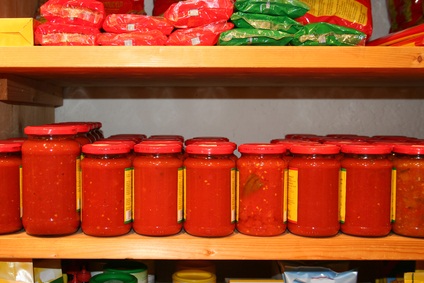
79 183
285 183
349 10
237 194
342 196
20 190
128 194
180 188
185 192
233 195
293 197
393 197
132 193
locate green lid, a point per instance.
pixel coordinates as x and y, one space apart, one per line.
113 277
127 266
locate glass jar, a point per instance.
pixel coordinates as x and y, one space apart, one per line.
10 210
313 190
106 190
261 192
408 214
158 188
50 162
210 190
130 267
193 276
365 193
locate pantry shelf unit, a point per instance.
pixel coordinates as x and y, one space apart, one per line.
233 247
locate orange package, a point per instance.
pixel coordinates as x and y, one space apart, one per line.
148 37
203 36
405 14
355 14
196 13
123 23
74 12
64 34
409 36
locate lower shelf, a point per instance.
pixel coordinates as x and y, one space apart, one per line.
236 246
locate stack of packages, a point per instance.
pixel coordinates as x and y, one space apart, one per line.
199 22
300 22
70 22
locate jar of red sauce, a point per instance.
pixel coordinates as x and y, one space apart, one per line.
262 194
365 190
158 188
313 190
50 159
10 210
106 190
408 214
210 189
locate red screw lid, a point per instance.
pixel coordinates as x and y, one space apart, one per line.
130 143
366 149
156 147
211 148
50 130
411 149
7 146
315 149
103 148
262 148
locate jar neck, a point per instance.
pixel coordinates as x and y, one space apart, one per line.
159 155
10 154
209 156
408 156
314 156
105 156
365 156
261 156
51 137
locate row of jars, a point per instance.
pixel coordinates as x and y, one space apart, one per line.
157 187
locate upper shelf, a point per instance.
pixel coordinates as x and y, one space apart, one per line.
236 246
73 66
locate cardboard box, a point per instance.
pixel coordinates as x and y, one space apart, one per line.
16 32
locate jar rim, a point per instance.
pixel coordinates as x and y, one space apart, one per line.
262 148
104 148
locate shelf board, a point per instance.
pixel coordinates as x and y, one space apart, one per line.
234 247
216 65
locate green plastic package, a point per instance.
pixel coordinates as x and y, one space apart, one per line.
325 34
262 21
288 8
251 36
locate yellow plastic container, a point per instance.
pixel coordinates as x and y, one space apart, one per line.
193 276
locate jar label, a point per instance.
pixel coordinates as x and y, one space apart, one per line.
342 196
184 193
128 188
79 182
180 188
393 197
237 194
292 199
285 184
233 194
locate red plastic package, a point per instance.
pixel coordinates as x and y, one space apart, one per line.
196 13
405 13
123 6
122 23
63 34
160 6
355 14
407 36
74 12
151 37
204 36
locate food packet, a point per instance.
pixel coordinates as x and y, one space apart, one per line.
325 34
407 36
206 35
251 36
16 272
148 37
74 12
306 274
288 8
196 13
160 6
64 34
123 23
123 6
405 14
355 14
263 21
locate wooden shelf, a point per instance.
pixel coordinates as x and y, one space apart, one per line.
216 65
236 246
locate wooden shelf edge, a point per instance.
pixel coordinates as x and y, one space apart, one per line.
234 247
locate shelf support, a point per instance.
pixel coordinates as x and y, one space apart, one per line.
19 90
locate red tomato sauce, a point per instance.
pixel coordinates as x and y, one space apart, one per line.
368 190
10 161
103 190
317 185
261 206
409 165
209 191
158 189
49 174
